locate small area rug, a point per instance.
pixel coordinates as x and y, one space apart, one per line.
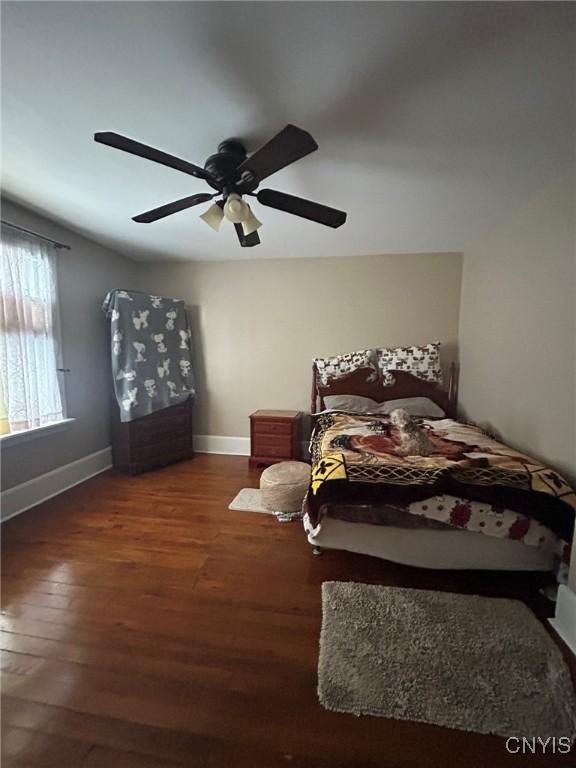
461 661
250 500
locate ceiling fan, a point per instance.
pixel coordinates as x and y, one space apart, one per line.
233 174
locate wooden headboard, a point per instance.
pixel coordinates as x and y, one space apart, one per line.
367 382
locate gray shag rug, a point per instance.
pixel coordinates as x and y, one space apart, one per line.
461 661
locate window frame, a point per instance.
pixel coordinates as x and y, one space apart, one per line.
35 432
66 421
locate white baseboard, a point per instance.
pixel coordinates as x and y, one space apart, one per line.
29 494
565 620
233 446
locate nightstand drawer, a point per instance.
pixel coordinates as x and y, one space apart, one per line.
273 427
262 444
276 451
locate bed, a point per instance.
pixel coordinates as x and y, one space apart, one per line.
473 503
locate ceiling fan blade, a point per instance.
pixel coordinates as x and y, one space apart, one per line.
322 214
169 208
285 148
143 150
246 241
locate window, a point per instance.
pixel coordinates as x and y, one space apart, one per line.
30 394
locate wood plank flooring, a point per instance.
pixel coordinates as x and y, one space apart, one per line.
144 625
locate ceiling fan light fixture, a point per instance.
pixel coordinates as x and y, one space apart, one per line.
235 209
250 224
232 173
213 217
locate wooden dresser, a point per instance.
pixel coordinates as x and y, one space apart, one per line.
152 441
274 436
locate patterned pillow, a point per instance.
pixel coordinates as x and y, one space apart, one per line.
330 368
423 362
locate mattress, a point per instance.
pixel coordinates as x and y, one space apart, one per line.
428 548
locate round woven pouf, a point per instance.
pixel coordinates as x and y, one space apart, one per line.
284 486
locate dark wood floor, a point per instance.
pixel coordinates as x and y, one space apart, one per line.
146 626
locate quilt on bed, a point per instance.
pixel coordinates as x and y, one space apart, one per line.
487 486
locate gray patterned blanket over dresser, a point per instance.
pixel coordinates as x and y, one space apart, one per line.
151 352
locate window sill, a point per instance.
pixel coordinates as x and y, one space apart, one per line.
31 434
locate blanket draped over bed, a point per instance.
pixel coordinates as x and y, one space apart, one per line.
357 460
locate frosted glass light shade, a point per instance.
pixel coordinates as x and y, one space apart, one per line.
235 209
250 223
213 217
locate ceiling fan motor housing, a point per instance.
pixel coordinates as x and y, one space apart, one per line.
223 167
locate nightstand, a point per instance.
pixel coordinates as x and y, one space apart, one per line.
274 436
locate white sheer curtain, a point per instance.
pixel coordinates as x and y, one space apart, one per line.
29 385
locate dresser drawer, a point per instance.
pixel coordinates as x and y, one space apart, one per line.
148 434
165 447
152 423
272 427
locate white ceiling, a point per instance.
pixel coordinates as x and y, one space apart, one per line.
431 117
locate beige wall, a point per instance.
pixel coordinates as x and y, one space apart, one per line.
518 328
258 324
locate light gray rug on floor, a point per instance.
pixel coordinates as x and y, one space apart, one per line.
461 661
249 500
